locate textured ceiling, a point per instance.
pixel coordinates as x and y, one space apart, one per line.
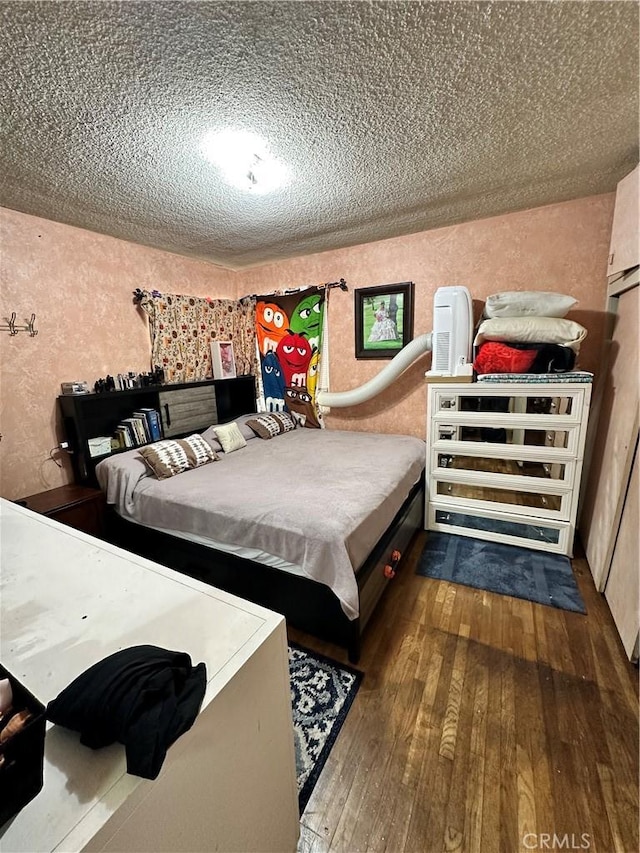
391 117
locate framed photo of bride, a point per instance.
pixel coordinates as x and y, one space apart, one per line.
384 319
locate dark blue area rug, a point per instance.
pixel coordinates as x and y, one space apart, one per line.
506 569
322 691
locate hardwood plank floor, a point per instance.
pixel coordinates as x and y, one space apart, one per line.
484 723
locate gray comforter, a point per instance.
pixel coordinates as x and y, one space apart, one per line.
320 499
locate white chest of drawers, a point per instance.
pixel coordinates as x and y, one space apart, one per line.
504 460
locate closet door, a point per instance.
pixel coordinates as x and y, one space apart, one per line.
615 441
623 252
623 586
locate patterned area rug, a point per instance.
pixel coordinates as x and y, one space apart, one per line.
322 691
507 569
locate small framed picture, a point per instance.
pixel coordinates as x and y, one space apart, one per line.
223 360
383 319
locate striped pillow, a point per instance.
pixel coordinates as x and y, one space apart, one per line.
268 426
173 456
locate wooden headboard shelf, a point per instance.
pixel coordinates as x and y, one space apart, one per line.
184 408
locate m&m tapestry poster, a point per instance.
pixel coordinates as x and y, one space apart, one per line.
289 333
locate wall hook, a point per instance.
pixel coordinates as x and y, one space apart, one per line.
13 329
31 326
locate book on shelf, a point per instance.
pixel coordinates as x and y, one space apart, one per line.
126 431
141 416
138 432
121 438
142 427
128 424
140 424
153 421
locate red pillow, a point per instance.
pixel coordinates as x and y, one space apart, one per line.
496 357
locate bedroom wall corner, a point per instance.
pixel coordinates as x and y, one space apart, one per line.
79 284
560 247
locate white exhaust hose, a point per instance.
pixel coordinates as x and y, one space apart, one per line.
398 364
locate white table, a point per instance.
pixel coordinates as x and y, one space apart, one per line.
69 600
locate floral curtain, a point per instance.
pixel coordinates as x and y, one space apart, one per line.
182 328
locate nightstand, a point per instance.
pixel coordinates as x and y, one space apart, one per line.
77 506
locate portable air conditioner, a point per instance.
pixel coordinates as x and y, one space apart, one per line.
452 329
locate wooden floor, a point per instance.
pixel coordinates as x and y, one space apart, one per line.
483 723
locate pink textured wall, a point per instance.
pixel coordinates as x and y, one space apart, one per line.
79 284
561 247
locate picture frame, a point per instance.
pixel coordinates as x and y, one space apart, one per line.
383 319
223 360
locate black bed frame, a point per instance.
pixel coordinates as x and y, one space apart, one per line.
306 604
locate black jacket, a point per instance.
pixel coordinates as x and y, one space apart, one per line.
144 697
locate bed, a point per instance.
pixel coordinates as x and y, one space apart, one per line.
303 523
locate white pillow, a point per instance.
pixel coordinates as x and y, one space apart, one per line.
528 303
209 434
532 330
230 437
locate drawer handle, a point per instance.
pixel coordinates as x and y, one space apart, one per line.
167 416
389 570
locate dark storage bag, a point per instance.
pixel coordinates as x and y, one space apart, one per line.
21 773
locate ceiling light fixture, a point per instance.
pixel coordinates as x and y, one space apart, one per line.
244 160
